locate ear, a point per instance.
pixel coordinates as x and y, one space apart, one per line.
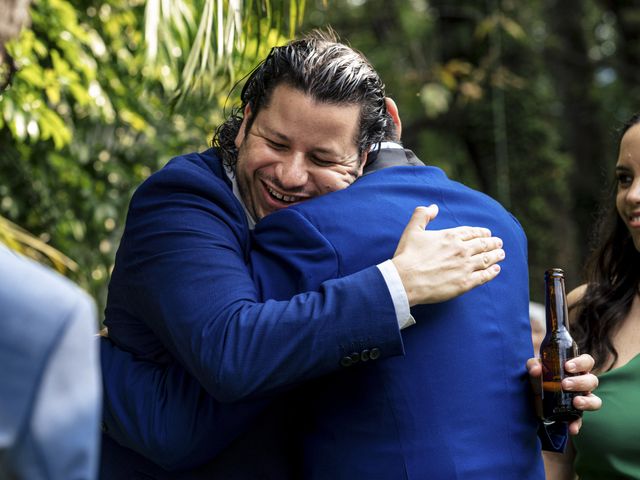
363 162
242 131
392 108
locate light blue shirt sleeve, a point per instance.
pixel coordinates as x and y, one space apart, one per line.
398 294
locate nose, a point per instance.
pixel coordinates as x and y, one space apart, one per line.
292 172
633 194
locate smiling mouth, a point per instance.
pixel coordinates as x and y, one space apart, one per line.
282 197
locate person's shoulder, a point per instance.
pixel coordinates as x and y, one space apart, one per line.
203 166
201 174
398 175
184 188
575 295
35 291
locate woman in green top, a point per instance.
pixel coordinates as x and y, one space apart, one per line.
605 319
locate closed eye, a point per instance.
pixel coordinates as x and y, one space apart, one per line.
275 145
321 162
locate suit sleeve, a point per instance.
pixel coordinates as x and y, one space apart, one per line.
186 428
554 437
182 268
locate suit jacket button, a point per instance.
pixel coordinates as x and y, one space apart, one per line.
104 428
374 354
346 361
365 355
355 357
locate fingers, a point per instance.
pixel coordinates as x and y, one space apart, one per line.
478 245
574 427
437 265
534 367
432 211
485 250
580 383
582 363
470 233
535 372
588 402
484 260
480 277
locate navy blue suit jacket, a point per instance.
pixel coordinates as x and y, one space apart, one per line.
182 293
456 406
181 290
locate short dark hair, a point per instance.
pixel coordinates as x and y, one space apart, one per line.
322 67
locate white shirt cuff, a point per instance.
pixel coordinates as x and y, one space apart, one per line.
398 294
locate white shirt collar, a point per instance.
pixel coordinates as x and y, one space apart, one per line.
236 191
387 145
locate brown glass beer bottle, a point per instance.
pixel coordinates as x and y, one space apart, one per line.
556 348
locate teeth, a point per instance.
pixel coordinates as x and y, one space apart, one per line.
281 197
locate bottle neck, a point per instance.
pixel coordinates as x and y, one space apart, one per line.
556 304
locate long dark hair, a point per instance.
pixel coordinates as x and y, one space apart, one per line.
327 70
613 276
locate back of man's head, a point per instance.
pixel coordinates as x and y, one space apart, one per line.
326 70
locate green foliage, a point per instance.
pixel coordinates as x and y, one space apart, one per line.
54 69
515 99
208 52
89 116
22 241
486 91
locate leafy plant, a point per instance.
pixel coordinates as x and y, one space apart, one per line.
103 96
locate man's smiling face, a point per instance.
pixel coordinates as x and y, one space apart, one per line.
296 149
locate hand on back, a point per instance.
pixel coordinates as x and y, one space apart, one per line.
438 265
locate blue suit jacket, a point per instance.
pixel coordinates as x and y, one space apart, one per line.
181 290
456 406
182 293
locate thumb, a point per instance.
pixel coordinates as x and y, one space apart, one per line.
433 213
422 216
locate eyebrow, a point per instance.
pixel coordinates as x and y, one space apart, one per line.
622 168
273 133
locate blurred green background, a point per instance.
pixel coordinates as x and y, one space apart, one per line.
521 100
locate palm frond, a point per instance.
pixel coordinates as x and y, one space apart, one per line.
22 241
205 42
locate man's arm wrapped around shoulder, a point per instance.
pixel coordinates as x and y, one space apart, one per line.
182 272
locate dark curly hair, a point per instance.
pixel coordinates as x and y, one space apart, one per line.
613 276
327 70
